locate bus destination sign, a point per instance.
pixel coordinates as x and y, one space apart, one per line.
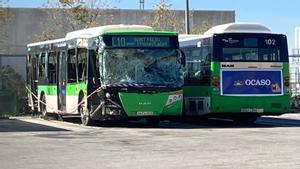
140 41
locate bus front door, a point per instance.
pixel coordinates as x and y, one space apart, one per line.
61 84
34 81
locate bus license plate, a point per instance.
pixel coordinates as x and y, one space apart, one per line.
252 110
145 113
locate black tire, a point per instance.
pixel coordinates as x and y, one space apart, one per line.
43 108
84 114
46 115
35 106
153 121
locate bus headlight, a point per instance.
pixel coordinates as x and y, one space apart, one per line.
107 95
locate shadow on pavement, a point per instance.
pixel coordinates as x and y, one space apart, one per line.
262 122
279 122
164 125
15 125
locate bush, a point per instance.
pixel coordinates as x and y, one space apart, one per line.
11 81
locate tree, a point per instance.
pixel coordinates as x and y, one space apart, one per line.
200 29
69 15
5 17
12 81
164 18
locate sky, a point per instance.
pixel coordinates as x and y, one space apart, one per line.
281 16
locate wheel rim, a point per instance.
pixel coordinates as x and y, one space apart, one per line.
84 114
43 107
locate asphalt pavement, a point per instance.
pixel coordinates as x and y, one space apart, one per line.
33 143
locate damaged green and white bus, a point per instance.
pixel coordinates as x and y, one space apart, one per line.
107 73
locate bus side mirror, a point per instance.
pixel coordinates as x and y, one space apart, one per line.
182 58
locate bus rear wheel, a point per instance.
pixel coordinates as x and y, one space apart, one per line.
46 115
43 108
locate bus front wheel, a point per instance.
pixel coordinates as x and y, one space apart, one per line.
46 115
85 115
86 119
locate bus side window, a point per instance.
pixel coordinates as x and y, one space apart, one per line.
42 67
198 60
52 68
101 63
187 53
270 54
93 68
72 66
205 58
82 64
28 68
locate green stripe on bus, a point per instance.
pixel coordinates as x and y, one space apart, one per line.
71 89
74 89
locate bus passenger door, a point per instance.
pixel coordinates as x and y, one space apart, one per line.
61 81
33 79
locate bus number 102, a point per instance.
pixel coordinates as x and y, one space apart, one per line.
271 42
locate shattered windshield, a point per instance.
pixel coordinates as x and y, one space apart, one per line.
150 66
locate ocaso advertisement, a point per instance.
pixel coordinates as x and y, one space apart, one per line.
251 82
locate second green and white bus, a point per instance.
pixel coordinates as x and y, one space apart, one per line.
107 73
238 71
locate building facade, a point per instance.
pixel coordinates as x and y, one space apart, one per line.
27 24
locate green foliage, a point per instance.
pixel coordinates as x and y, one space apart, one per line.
12 81
200 29
70 15
5 17
166 19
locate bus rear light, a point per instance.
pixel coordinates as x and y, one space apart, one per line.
286 78
215 78
286 81
287 84
216 83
